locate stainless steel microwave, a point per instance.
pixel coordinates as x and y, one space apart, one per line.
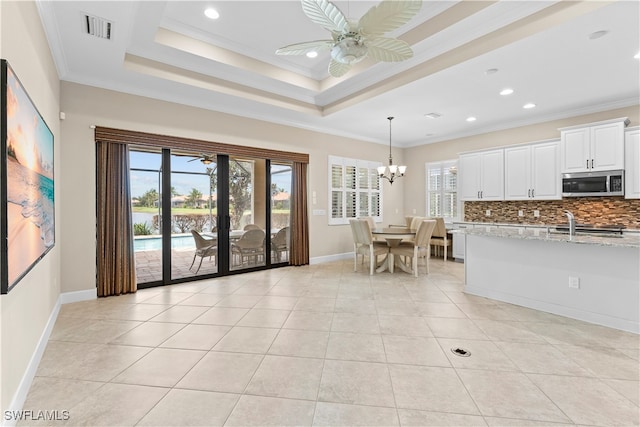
584 184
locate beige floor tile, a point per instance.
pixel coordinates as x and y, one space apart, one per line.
309 320
277 302
358 383
349 346
90 330
603 362
264 318
203 299
315 304
169 298
541 359
562 334
459 297
588 401
357 323
292 290
411 326
222 316
340 414
150 334
290 377
247 340
509 395
239 301
224 372
141 312
191 408
484 355
292 342
500 330
428 294
440 309
223 286
45 393
353 305
257 289
132 403
179 314
629 389
412 417
91 362
196 337
455 328
397 308
271 411
430 389
162 367
414 351
512 422
326 291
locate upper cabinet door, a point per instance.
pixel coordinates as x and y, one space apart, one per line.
575 150
607 147
632 164
546 182
517 173
469 173
492 175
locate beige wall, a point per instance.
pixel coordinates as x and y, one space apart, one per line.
24 312
416 157
85 106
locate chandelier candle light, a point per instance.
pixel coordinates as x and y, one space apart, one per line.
391 172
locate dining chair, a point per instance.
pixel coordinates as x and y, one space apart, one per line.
364 244
417 248
280 243
249 245
440 238
251 227
204 248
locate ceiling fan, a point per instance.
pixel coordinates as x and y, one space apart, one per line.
352 41
205 158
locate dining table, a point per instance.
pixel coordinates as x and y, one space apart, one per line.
393 236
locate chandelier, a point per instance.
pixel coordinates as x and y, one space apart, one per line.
391 172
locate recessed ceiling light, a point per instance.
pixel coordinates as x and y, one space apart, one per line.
471 119
312 54
637 55
491 71
506 91
598 34
429 134
211 13
529 105
433 115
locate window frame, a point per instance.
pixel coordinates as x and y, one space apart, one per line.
370 192
441 166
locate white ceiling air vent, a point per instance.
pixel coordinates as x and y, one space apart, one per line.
97 27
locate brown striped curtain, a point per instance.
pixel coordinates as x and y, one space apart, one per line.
116 263
299 217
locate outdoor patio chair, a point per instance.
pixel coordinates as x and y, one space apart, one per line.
204 248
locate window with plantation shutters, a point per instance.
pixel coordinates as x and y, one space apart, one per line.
442 189
355 190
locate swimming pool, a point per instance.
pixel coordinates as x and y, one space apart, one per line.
155 243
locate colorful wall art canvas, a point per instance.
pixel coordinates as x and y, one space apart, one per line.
28 228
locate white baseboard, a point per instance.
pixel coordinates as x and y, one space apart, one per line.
20 396
329 258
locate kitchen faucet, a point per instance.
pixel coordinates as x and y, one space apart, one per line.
572 223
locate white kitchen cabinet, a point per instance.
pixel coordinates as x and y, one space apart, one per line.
532 172
482 175
593 147
632 164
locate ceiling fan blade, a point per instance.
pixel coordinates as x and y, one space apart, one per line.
302 48
388 16
338 69
388 50
325 14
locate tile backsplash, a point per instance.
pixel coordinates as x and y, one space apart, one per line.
587 210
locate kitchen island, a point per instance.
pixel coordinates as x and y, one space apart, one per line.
586 277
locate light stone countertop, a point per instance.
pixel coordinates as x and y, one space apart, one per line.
626 241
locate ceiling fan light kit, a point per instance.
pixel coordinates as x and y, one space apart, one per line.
352 41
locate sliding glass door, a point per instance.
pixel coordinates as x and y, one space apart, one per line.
204 215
